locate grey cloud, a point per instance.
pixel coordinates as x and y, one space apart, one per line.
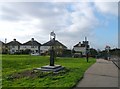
7 13
107 7
34 9
70 21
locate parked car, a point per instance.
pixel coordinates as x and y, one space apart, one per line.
35 54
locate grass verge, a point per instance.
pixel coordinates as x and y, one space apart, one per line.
18 64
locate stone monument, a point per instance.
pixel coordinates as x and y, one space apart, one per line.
51 67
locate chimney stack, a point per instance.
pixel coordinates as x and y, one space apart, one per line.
14 39
32 39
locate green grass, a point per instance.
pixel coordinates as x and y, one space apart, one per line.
12 64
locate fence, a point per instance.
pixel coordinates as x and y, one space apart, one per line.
116 60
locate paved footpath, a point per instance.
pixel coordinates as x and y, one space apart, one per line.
101 74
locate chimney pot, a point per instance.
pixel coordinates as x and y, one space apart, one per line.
32 39
14 39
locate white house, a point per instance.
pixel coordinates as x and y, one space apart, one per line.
32 45
13 46
58 47
80 48
2 47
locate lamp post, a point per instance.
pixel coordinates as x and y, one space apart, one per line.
107 48
52 52
86 46
98 53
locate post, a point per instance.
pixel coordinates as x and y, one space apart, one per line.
52 52
87 56
86 45
108 54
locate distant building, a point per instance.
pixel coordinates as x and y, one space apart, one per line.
59 47
2 47
31 45
80 49
13 46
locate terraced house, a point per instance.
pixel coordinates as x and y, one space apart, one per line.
16 47
31 45
13 46
59 47
2 47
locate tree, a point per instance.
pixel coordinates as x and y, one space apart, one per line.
93 52
26 51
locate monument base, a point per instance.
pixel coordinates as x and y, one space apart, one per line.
49 68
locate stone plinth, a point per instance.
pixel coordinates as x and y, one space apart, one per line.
49 68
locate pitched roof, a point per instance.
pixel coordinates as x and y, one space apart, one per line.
1 43
80 45
32 42
49 43
14 43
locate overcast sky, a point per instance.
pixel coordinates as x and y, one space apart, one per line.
71 21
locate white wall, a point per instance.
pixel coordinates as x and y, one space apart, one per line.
34 48
44 48
23 47
80 49
13 49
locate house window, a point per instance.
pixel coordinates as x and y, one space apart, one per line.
41 50
36 51
13 51
21 50
32 51
32 46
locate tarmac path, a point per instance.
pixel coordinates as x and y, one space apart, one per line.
101 74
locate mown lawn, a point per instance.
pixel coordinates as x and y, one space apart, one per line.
73 72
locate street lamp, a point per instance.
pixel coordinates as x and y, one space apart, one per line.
86 46
107 48
52 52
